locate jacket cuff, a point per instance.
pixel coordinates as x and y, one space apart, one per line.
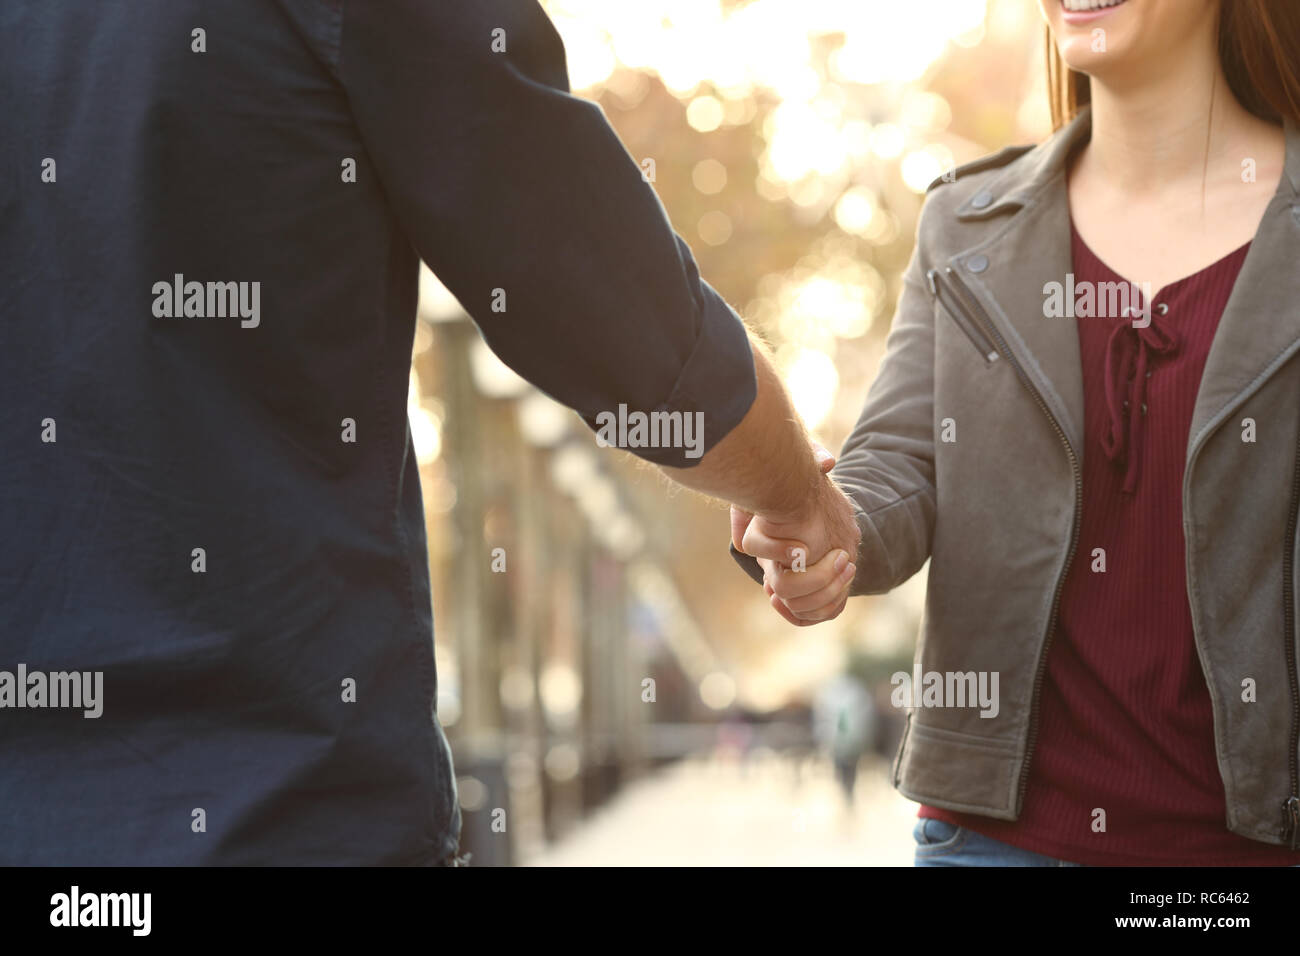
748 563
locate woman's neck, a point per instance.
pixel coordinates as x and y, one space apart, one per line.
1172 130
1159 190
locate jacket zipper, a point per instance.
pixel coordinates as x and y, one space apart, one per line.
981 342
1291 806
975 313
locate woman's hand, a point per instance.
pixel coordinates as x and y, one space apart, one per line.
812 596
808 595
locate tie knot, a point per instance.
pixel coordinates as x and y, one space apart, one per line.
1154 334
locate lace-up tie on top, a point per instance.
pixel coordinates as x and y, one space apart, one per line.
1131 350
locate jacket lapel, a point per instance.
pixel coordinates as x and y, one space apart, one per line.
1260 326
1007 271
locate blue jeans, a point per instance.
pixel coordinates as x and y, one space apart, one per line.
939 843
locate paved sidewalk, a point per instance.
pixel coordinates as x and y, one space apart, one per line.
714 811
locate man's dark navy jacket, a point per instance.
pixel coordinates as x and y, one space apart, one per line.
139 425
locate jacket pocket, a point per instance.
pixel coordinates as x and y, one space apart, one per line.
952 305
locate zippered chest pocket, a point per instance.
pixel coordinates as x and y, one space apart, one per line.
946 289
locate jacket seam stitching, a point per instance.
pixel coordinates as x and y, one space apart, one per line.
1007 745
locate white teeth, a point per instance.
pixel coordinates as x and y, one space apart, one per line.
1083 6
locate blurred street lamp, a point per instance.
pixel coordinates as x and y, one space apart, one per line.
543 421
573 465
624 537
493 377
598 499
718 690
437 304
561 692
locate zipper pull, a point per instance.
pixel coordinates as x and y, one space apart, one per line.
1291 822
929 278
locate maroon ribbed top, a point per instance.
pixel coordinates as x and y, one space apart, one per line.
1125 722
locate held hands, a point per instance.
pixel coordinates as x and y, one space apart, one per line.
824 532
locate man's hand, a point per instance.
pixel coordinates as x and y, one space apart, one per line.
823 531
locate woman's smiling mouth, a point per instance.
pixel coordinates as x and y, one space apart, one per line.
1083 11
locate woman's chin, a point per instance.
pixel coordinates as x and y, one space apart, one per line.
1081 58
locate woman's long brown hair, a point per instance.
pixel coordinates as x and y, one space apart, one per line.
1259 47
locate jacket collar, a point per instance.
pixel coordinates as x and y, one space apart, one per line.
1041 166
1032 172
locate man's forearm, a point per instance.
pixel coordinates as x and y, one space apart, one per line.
765 464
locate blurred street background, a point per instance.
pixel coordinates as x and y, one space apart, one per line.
615 689
719 811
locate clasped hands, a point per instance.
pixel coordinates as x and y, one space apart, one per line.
808 556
